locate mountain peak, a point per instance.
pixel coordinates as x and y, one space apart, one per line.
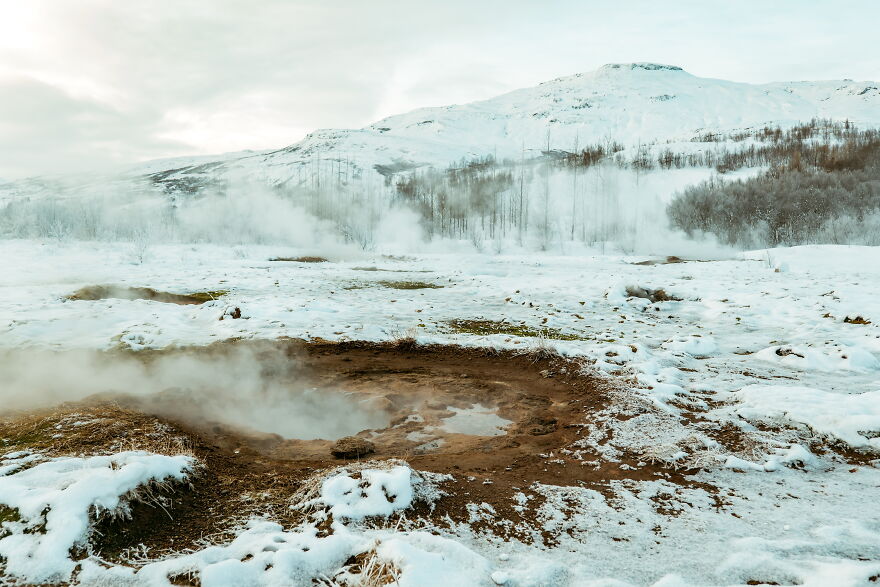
640 65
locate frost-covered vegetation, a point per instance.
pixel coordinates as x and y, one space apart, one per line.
819 185
822 186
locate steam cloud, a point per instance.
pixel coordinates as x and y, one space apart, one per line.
265 391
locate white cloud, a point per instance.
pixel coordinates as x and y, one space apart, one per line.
95 81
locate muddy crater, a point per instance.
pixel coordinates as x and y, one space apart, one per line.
406 403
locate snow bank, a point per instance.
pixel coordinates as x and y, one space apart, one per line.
837 358
376 493
262 554
265 554
695 345
54 501
794 455
848 417
427 560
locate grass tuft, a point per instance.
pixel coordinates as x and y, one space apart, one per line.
306 259
409 285
488 327
120 292
8 514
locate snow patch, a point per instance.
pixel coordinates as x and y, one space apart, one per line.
375 493
55 500
477 420
852 418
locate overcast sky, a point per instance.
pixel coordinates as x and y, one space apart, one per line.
88 83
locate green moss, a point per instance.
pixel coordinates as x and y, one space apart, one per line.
487 327
409 285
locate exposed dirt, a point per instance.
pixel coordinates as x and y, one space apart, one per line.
300 259
653 295
482 327
409 285
121 292
667 261
548 403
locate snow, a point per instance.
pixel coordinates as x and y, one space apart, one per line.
375 493
848 417
264 553
840 357
635 104
694 345
760 337
55 499
801 516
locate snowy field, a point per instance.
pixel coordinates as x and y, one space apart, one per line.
782 346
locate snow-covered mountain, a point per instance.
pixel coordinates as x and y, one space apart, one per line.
629 103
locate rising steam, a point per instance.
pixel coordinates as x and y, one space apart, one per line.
261 390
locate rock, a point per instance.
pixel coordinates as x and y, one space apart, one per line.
540 425
352 447
652 295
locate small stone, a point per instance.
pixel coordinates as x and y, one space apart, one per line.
352 447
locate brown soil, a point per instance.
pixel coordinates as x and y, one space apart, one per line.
549 402
103 292
667 261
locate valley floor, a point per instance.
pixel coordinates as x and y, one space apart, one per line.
542 420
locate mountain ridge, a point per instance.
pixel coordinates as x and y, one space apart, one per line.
629 103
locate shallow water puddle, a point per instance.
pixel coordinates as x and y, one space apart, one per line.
477 420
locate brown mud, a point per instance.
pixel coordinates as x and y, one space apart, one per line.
121 292
548 402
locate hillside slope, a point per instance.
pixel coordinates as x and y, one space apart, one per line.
627 103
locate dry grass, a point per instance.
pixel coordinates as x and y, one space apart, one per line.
409 285
406 340
8 514
386 270
156 493
306 259
540 349
368 569
101 428
482 327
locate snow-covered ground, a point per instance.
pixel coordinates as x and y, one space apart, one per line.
782 344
